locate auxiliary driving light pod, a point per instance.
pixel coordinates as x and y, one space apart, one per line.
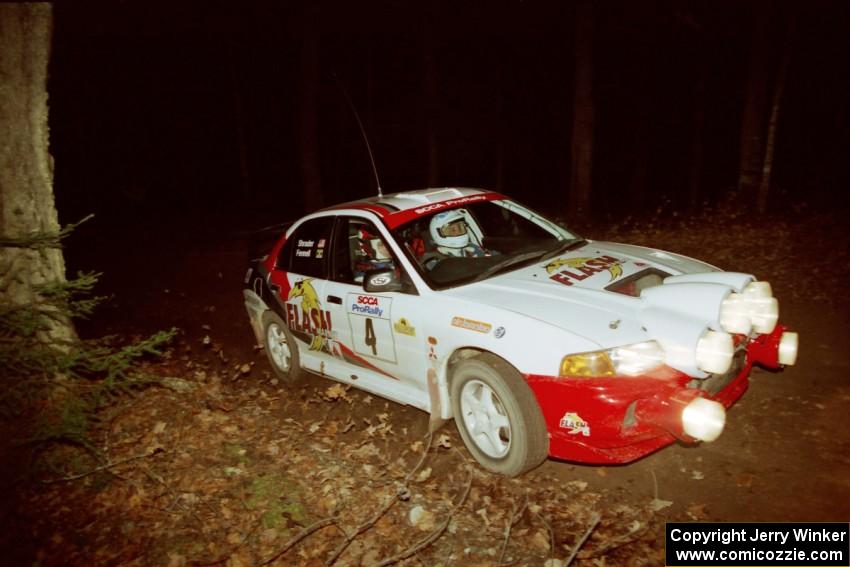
788 346
714 352
704 419
755 307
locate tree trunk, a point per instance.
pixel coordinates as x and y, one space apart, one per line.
752 124
431 106
308 115
770 145
500 126
582 135
245 188
27 206
640 153
697 143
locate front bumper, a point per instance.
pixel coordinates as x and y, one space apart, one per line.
617 420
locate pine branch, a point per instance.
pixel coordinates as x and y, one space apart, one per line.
41 240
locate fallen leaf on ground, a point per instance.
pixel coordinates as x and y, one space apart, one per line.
697 512
745 480
657 504
336 392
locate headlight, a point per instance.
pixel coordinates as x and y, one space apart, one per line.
629 360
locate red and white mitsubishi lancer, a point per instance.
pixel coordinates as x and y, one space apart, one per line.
537 342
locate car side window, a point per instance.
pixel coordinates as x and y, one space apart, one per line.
306 250
358 248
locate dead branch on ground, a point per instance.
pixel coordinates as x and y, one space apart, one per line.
104 467
402 493
433 536
593 523
515 517
314 527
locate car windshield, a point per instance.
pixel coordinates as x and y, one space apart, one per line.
456 246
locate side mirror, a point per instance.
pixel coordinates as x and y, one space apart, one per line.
381 280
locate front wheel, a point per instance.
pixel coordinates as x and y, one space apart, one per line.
280 347
498 416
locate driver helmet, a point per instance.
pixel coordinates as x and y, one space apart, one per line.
449 230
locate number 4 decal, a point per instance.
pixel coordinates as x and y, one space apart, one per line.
371 341
369 318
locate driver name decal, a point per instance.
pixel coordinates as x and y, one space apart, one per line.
583 268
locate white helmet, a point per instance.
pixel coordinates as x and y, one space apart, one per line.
440 223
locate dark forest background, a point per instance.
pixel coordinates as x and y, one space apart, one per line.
178 109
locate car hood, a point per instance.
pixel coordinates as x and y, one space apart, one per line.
569 292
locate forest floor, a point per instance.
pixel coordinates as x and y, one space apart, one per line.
223 465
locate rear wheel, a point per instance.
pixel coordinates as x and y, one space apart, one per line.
498 416
281 348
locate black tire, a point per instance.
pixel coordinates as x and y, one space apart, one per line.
281 348
486 390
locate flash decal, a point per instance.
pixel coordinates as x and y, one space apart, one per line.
583 268
575 424
471 325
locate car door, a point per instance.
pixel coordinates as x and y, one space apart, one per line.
298 280
378 341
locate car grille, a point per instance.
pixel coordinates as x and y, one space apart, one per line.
716 382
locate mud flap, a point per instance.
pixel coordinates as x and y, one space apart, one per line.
435 422
255 307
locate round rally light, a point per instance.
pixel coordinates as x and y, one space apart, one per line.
704 419
714 352
788 346
754 308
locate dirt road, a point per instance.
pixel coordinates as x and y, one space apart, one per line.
784 456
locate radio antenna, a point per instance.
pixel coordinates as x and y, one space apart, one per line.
362 131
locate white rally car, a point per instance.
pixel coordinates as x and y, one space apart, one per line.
468 305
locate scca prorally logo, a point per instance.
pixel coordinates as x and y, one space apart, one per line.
368 305
583 268
449 203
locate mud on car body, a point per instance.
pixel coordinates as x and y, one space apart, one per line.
534 340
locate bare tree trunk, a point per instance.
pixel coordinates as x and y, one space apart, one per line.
697 144
27 206
239 123
770 145
500 129
582 135
752 124
640 153
431 106
308 115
